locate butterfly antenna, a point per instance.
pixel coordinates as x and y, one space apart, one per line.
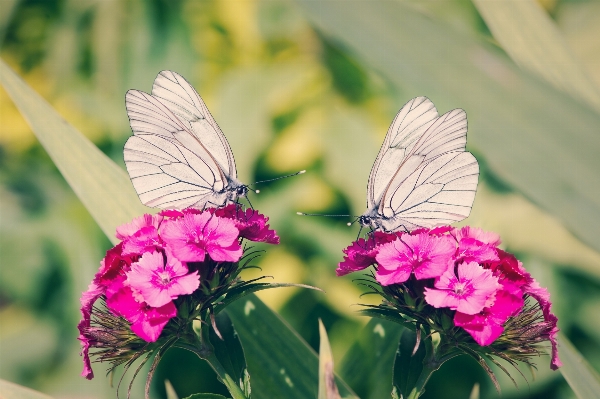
278 178
335 216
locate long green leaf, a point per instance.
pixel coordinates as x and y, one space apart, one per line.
368 364
528 34
8 390
281 363
534 137
582 378
100 184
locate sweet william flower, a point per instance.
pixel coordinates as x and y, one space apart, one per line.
425 255
147 322
251 224
361 253
468 293
193 236
486 326
159 281
146 220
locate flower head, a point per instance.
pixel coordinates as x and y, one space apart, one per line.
424 255
458 283
168 271
194 236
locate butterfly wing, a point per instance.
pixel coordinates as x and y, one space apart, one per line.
422 176
409 124
168 163
184 101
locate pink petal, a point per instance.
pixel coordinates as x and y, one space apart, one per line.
150 323
483 332
128 229
388 277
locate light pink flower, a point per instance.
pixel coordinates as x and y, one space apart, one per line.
422 254
361 253
251 224
486 326
144 240
146 322
191 237
158 283
543 297
468 293
128 229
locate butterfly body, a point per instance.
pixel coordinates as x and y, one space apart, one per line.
178 156
422 176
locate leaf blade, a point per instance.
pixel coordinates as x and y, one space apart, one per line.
102 186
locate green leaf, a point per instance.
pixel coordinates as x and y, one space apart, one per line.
229 350
537 139
8 390
367 366
206 396
102 186
408 367
532 39
171 394
327 387
280 362
582 378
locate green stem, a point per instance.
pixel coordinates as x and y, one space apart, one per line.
229 382
204 350
428 369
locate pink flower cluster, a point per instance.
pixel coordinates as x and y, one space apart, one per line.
142 276
462 270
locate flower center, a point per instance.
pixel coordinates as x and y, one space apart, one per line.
459 288
164 277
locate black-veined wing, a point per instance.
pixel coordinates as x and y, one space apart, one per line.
422 176
178 156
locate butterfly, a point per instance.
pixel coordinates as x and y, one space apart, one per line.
178 156
422 176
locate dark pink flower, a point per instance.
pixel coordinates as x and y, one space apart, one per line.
468 293
361 253
191 237
158 283
486 326
88 298
128 229
543 297
251 224
114 264
146 322
422 254
436 231
507 267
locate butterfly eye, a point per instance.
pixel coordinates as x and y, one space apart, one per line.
242 191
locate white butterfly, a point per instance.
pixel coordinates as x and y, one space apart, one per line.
178 156
422 177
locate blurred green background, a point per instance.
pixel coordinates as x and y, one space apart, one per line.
290 95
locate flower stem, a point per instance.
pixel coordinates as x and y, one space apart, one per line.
229 382
428 369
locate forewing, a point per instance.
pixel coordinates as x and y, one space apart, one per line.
435 192
167 165
411 122
167 175
184 101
